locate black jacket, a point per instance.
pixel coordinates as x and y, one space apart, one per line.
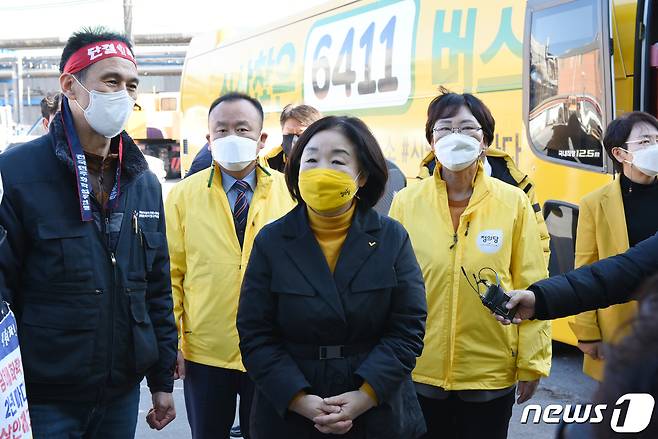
89 328
277 162
603 283
373 305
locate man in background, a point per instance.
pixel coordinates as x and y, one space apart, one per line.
294 120
49 107
212 220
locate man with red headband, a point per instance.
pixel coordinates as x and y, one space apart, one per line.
85 266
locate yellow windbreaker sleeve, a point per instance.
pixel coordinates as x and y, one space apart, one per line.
528 266
541 225
176 243
586 325
393 211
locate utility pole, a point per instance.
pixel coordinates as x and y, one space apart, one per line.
17 76
128 18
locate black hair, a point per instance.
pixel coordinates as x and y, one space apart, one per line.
447 104
369 154
89 35
237 96
50 105
619 129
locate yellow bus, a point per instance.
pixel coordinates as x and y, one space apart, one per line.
155 124
553 72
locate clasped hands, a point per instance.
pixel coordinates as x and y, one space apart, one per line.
333 415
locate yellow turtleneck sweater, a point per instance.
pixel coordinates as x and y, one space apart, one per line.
330 232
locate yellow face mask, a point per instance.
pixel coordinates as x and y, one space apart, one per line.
324 189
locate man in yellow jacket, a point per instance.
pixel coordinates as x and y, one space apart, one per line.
294 121
212 220
498 164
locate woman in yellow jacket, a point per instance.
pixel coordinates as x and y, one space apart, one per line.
461 220
614 218
498 164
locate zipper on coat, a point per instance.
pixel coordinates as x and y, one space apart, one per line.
104 236
455 236
113 260
451 343
454 241
107 231
105 240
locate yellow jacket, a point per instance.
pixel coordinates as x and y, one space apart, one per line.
275 153
207 263
465 348
602 232
517 178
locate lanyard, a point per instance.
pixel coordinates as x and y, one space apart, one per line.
80 162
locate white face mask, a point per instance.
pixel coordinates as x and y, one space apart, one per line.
107 113
457 151
234 153
646 160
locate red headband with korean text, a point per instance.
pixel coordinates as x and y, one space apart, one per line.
94 52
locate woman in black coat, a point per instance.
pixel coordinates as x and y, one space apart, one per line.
332 309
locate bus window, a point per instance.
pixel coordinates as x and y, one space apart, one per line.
567 81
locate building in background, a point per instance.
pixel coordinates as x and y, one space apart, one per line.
30 69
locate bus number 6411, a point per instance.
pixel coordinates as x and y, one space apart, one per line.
343 74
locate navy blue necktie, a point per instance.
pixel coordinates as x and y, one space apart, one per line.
241 209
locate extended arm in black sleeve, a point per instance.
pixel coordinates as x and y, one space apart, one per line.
606 282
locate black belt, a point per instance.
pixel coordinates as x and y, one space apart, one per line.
315 352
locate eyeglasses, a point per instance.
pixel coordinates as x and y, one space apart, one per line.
649 139
468 130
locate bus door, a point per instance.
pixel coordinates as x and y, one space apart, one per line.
646 58
568 101
568 88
